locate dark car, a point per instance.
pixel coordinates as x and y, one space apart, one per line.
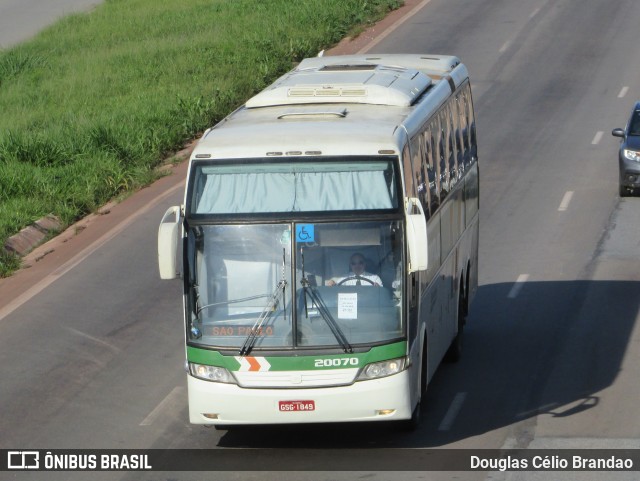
629 156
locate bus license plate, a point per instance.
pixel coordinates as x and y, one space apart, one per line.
292 406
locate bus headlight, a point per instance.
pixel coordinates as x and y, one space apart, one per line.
377 370
211 373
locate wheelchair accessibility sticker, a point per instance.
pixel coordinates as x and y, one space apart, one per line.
305 233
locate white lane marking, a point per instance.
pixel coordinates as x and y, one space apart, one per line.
623 92
505 46
453 411
173 399
94 339
597 138
84 253
515 290
534 13
389 30
565 201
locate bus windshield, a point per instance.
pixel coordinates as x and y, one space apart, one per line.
294 285
268 186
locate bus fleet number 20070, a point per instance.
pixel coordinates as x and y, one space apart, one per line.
338 362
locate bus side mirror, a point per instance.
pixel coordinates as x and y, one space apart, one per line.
416 235
168 243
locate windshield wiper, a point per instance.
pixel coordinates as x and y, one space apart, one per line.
316 298
268 310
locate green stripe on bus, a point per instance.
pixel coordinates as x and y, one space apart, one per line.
292 362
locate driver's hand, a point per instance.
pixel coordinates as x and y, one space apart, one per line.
330 283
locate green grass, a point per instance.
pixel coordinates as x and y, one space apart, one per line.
94 103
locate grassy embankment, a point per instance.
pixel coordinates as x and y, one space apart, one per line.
93 104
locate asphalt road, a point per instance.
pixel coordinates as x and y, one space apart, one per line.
92 354
21 19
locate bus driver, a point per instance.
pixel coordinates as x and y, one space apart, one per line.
357 276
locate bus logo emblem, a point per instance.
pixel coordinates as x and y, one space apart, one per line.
253 364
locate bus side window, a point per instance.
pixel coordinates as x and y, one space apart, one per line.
424 171
457 122
434 183
472 125
451 160
408 174
418 170
442 157
464 126
431 170
425 147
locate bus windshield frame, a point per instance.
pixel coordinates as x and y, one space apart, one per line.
288 285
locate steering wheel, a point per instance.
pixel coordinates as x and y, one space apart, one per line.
356 278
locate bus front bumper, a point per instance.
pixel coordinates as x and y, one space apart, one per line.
382 399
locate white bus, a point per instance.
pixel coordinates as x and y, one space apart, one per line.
329 243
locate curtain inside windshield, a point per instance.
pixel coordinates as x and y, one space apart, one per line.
294 187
